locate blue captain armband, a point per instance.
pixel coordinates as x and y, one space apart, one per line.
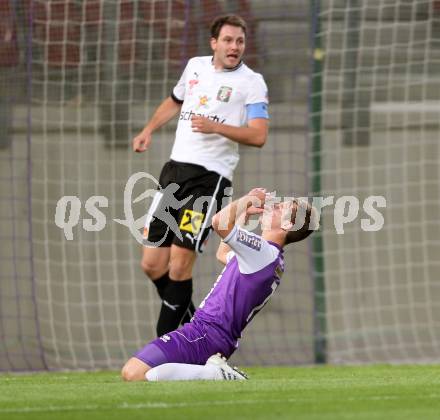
258 110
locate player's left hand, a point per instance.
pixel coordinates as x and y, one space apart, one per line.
201 124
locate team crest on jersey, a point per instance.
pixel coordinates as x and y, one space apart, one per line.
203 102
191 221
224 94
251 241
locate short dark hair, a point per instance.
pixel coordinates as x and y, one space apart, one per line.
308 227
220 21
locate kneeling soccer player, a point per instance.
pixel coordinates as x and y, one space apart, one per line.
254 265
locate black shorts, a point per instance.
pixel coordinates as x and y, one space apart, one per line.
188 196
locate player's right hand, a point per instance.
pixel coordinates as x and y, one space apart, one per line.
260 193
141 142
255 199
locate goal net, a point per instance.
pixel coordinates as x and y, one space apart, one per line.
354 111
380 137
82 78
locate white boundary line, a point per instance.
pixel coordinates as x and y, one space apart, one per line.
162 405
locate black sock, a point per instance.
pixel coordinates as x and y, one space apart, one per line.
188 313
175 301
161 283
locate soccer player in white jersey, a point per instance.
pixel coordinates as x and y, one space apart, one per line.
221 103
254 266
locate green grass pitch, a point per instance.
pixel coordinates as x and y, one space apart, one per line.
306 393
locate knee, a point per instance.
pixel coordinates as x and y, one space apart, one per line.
180 271
147 267
181 267
131 374
152 269
127 374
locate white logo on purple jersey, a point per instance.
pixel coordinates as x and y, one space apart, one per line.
165 338
249 240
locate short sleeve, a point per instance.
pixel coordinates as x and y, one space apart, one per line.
252 251
229 256
178 93
257 91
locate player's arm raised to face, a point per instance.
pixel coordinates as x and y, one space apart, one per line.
254 134
252 203
164 113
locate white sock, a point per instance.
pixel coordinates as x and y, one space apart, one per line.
183 372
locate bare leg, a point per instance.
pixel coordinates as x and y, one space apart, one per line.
134 370
155 261
181 263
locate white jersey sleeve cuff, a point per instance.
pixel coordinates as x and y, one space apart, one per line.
252 251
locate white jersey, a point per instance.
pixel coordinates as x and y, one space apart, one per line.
221 95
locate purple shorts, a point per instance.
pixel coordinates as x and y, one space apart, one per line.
193 344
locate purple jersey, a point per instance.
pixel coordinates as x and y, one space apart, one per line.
245 285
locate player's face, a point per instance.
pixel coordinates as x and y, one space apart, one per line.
279 216
229 47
